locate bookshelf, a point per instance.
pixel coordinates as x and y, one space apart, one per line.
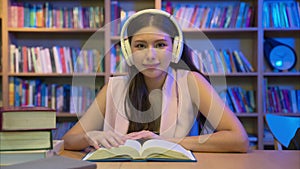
248 39
1 52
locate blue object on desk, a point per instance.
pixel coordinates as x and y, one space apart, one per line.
283 128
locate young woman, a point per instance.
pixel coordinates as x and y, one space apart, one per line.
163 96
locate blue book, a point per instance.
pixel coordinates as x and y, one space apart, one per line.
26 15
227 60
234 100
240 15
296 15
298 99
17 83
209 17
226 98
284 17
266 16
213 60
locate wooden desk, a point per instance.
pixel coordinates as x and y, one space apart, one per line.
257 159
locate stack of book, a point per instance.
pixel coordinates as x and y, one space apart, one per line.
26 133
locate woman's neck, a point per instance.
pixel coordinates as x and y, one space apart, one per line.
155 83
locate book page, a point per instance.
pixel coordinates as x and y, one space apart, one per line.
166 147
130 149
133 144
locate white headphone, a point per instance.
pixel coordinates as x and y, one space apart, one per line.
177 44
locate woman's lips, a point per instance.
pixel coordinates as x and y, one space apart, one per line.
151 66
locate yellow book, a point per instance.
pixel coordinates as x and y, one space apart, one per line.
150 150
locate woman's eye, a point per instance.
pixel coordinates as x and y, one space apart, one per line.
140 46
160 45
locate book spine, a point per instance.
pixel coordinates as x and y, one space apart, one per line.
298 99
12 57
11 91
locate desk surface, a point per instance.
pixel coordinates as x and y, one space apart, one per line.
258 159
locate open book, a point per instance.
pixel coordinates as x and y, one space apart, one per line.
150 150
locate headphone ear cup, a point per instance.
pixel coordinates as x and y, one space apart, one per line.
128 53
175 50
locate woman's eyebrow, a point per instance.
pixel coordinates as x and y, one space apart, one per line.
157 40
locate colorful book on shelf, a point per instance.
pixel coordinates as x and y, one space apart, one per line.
245 61
234 99
226 98
234 16
17 92
199 17
283 16
228 16
57 60
209 17
238 62
245 15
25 59
225 61
221 21
298 99
207 62
216 16
250 17
240 15
231 60
149 150
293 98
27 118
11 92
40 22
203 19
194 16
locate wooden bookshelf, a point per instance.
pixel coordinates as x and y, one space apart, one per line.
1 54
248 39
1 9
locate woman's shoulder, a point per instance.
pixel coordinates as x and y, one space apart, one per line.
193 76
117 81
124 77
188 73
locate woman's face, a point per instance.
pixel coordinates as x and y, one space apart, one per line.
151 51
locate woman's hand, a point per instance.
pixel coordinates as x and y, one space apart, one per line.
107 139
144 134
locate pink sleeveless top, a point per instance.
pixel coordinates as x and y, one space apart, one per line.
177 112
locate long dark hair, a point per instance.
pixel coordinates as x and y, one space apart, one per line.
138 95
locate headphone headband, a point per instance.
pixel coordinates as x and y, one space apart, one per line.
177 44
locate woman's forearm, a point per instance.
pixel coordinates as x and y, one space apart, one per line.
75 141
222 141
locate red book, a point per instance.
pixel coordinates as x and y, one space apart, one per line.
63 59
27 118
194 16
20 16
169 7
25 59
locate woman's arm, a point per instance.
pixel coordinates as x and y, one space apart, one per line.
88 131
230 135
77 138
